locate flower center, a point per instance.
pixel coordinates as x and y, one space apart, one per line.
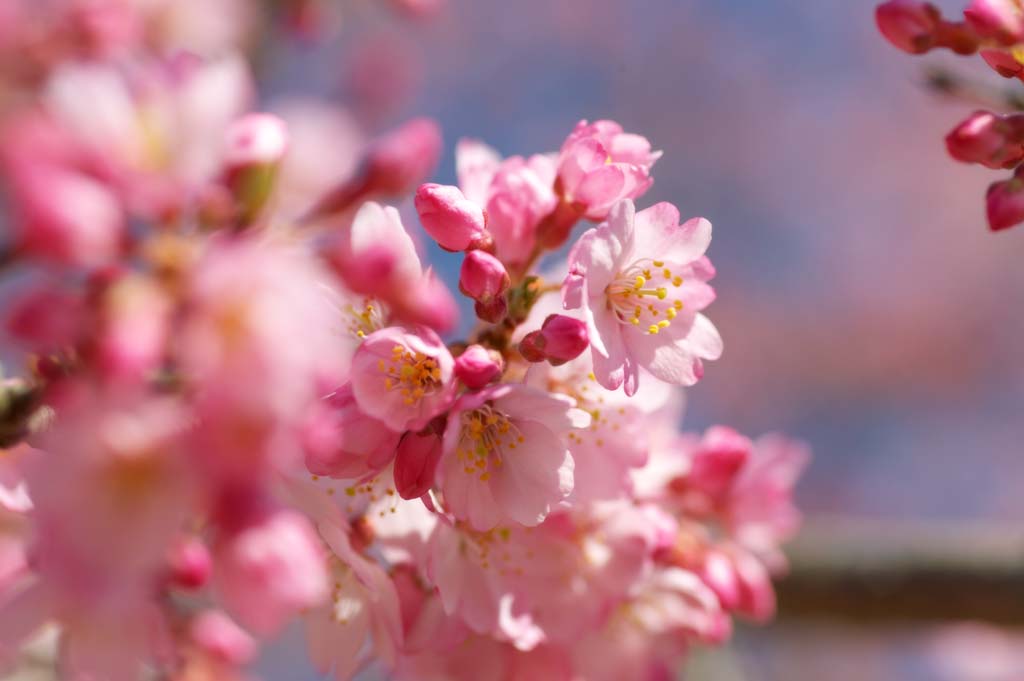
362 321
413 374
485 436
641 295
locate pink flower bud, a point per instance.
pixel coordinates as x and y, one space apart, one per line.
415 463
218 636
1002 20
256 139
1005 203
477 366
989 139
190 563
340 441
484 279
403 158
719 457
910 25
561 338
449 217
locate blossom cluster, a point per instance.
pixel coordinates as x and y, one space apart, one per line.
243 403
994 29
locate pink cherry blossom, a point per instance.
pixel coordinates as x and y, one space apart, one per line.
455 222
600 164
641 281
403 379
342 441
505 455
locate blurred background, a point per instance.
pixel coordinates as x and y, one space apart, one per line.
866 308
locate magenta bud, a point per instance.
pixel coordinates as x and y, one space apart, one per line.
190 563
416 463
455 222
989 139
1004 203
720 456
256 139
477 366
484 279
1001 20
908 24
561 338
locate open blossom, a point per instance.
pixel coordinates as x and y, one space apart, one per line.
600 164
403 379
376 257
505 455
342 441
641 281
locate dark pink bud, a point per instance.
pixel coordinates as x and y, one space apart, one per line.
719 457
561 338
449 217
908 24
989 139
415 463
1002 20
403 158
484 279
477 366
190 563
1005 203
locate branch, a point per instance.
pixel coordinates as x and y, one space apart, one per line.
896 572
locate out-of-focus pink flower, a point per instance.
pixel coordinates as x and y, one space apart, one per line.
66 217
455 222
130 341
375 256
361 617
404 379
992 140
1004 203
641 281
505 455
342 441
561 338
278 557
246 299
395 165
740 580
760 511
46 318
218 636
477 366
517 194
910 25
416 463
484 279
1002 20
718 459
600 164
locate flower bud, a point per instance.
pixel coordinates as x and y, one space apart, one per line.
415 463
908 24
1002 20
989 139
1005 203
719 457
561 338
484 279
190 563
449 217
254 147
477 366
